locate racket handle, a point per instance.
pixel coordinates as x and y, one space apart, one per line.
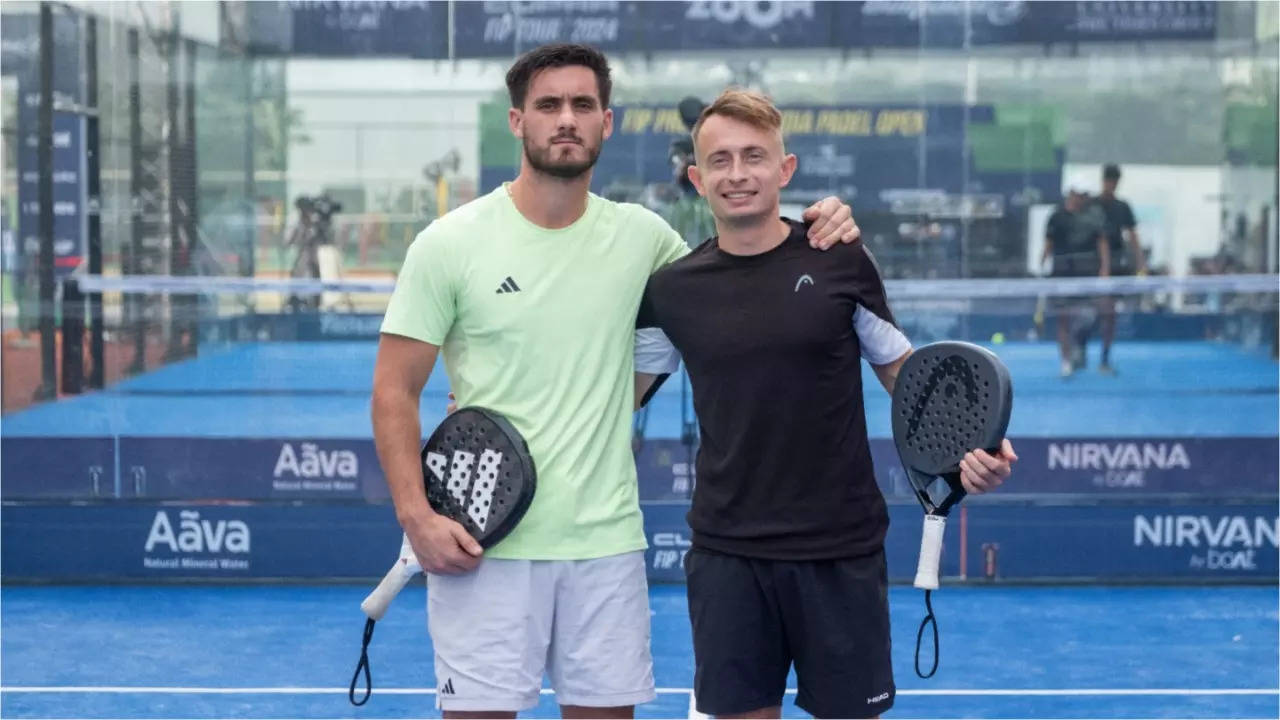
930 552
406 567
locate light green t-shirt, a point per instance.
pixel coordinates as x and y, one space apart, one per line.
538 325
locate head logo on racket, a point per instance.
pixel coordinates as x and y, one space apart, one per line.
949 398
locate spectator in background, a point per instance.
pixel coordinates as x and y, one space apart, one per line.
1076 240
1126 254
689 214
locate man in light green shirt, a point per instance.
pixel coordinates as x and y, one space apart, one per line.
532 291
535 323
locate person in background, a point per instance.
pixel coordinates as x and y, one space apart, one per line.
1076 241
1127 258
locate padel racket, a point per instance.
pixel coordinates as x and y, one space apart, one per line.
949 398
479 473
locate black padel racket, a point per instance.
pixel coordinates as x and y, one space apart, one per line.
479 473
949 398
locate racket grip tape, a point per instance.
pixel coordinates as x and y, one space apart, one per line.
930 552
376 604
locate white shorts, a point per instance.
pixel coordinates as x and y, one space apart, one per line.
584 622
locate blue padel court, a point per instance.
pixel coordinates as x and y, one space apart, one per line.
321 389
277 652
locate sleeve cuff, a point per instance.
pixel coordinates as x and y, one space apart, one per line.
655 355
881 341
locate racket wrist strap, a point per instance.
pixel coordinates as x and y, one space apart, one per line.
363 667
929 621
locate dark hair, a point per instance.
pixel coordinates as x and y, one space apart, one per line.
554 56
1111 171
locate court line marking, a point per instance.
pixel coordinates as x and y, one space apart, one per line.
1016 692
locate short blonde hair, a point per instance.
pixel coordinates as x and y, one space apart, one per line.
748 106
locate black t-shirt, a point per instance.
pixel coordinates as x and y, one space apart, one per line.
1075 241
1058 230
769 340
1118 218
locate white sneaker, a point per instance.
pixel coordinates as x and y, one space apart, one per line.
1067 369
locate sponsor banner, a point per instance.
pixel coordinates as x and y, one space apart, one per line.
70 189
506 29
1114 21
340 326
35 468
21 46
1219 467
1038 542
232 542
996 22
670 538
414 28
1214 467
496 28
1202 466
898 158
1209 542
666 470
292 327
347 469
935 24
862 153
257 469
1229 542
724 25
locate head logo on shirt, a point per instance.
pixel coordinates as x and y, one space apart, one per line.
803 280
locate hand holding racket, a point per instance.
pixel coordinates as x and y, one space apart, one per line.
982 471
480 480
949 398
442 545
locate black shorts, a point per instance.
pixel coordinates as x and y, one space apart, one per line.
753 618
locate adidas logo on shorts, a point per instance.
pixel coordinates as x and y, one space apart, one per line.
447 687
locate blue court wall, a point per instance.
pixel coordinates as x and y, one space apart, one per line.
80 509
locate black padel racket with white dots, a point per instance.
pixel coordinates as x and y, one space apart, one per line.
949 398
479 473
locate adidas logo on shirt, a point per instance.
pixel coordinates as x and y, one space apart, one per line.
508 286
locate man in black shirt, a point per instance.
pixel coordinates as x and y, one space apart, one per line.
1127 257
1075 240
787 563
